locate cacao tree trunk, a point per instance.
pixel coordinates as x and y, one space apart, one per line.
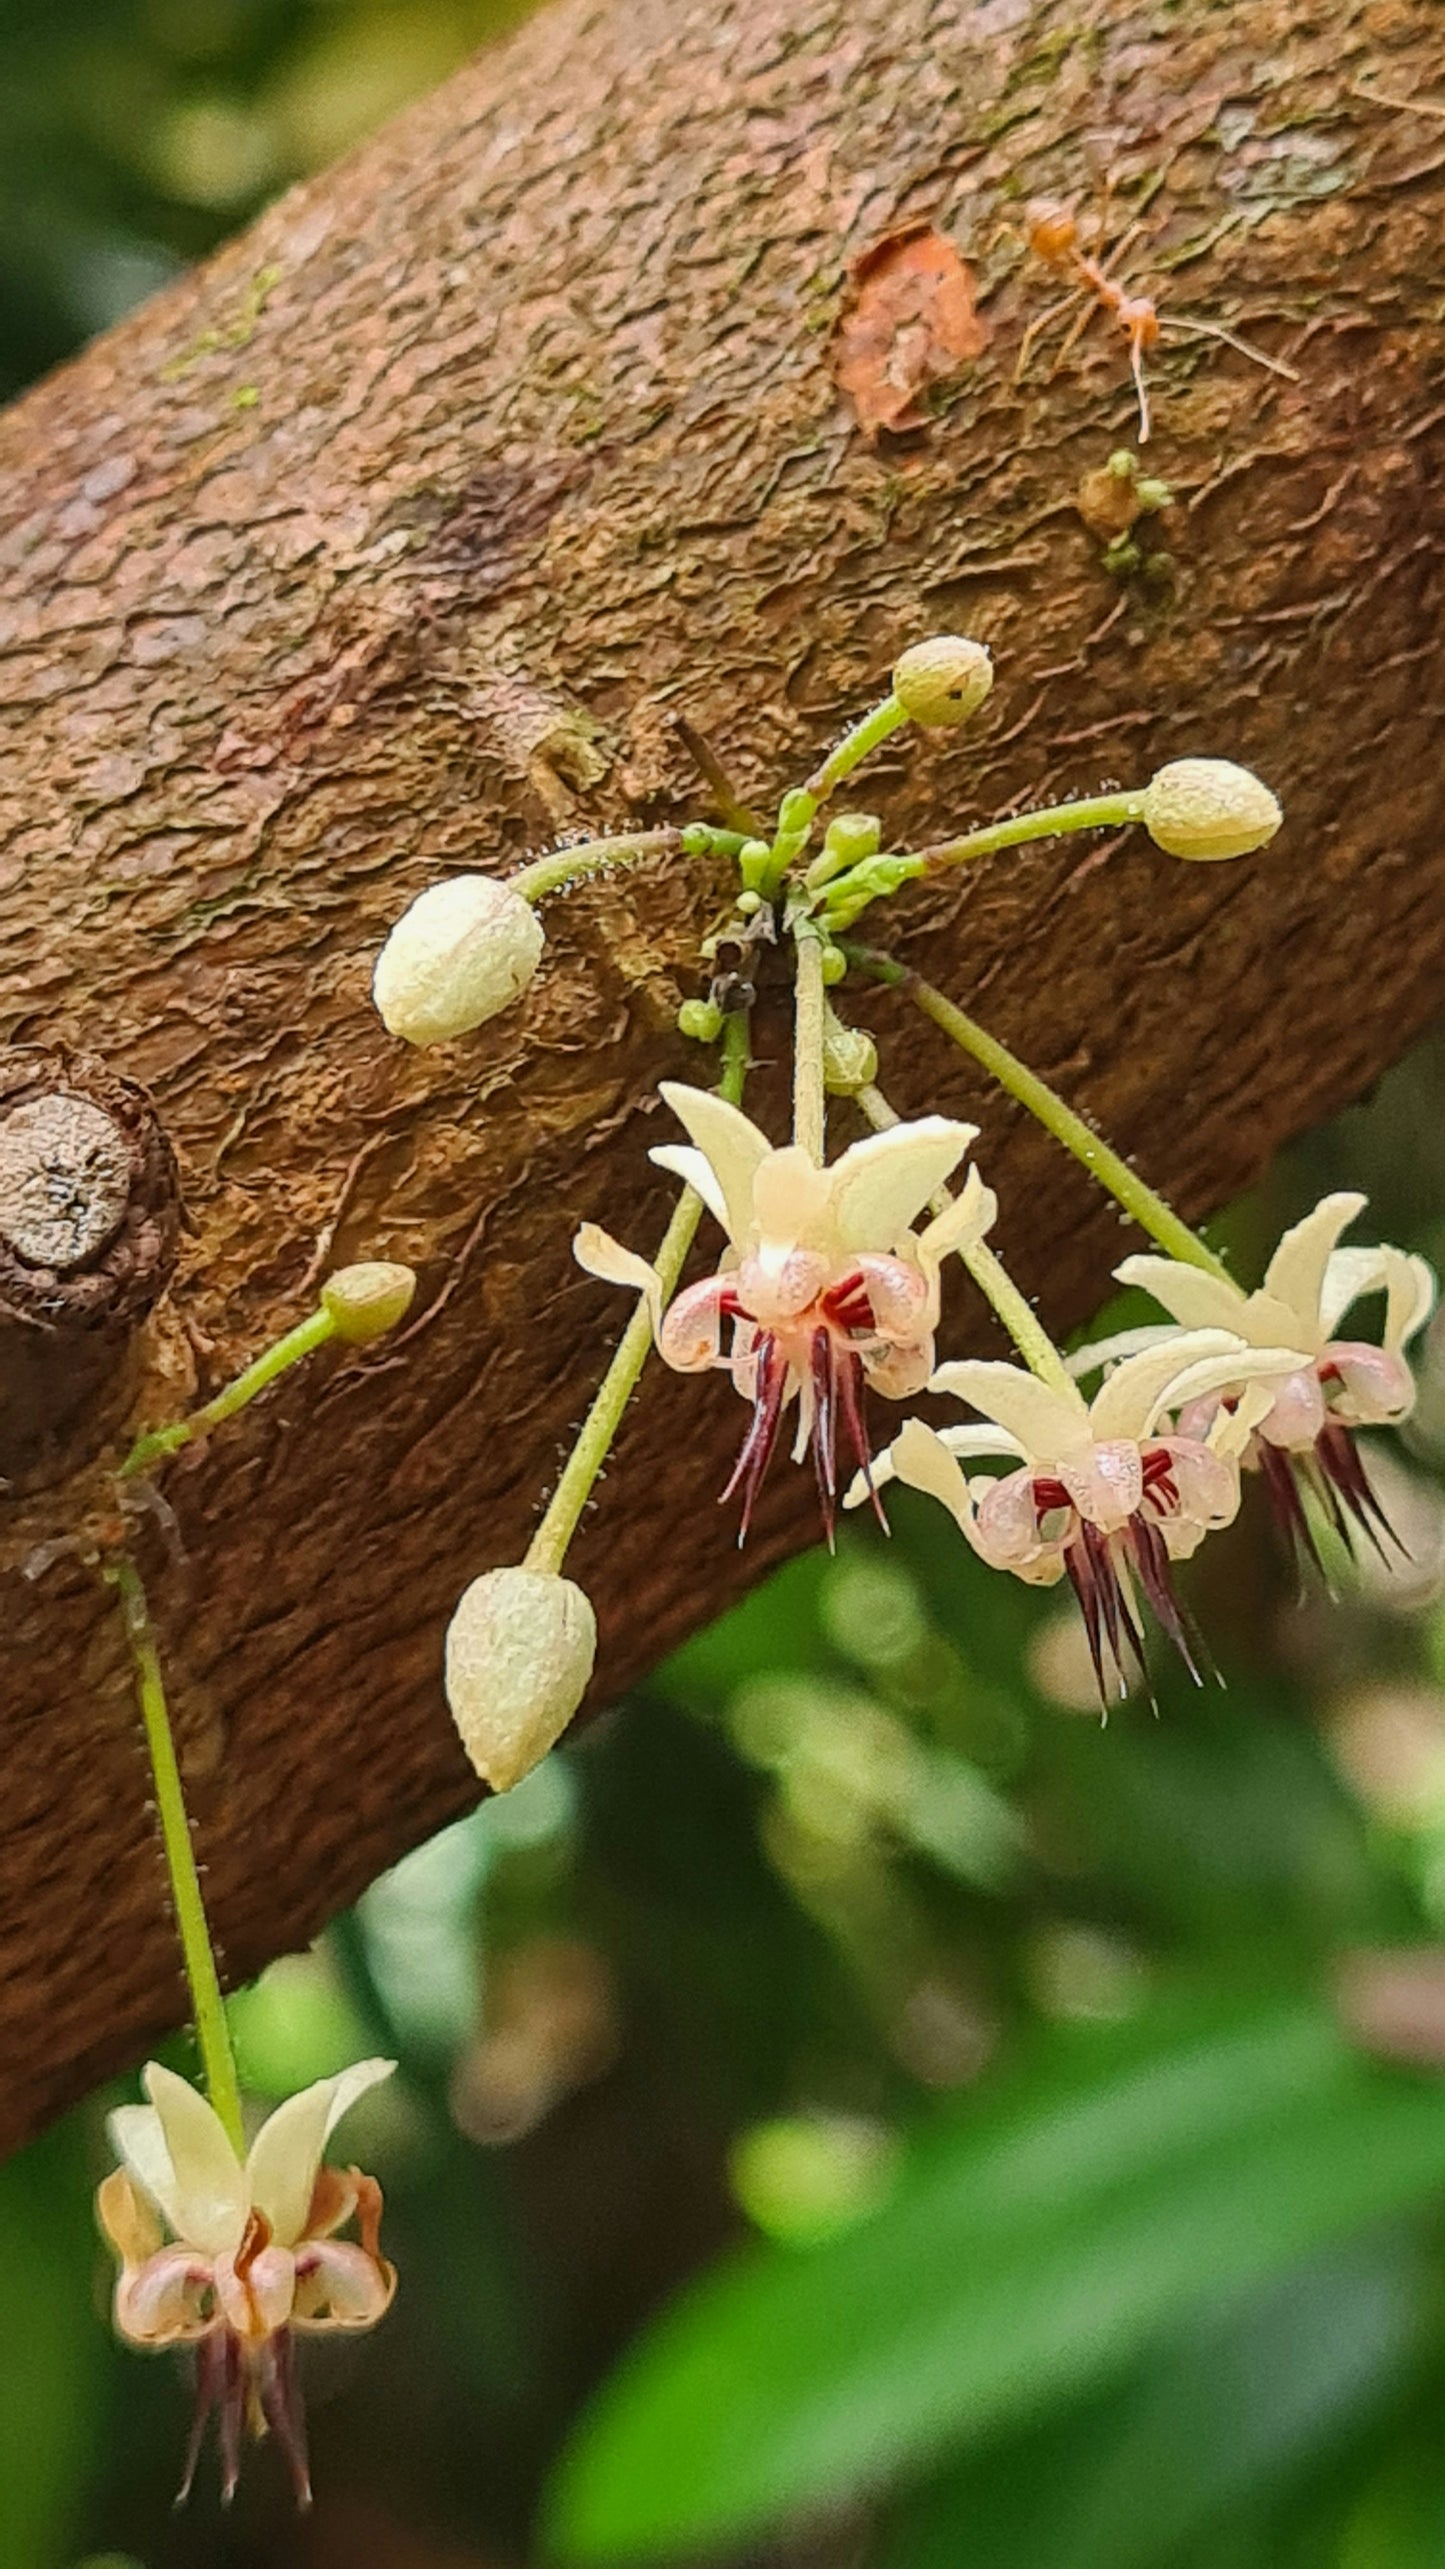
396 539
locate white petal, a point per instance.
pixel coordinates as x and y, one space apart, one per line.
211 2197
137 2138
1132 1398
1044 1422
923 1462
1192 1297
286 2153
972 1441
970 1217
1233 1428
1296 1273
792 1202
696 1170
881 1185
599 1254
1108 1351
1408 1283
728 1140
1217 1373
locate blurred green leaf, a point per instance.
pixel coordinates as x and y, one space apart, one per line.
1031 2248
1120 2481
53 2345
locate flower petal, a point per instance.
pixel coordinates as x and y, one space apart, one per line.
1231 1429
969 1218
1127 1342
137 2138
210 2197
728 1140
1045 1423
599 1254
696 1170
1132 1398
342 2287
881 1185
1408 1283
923 1462
286 2153
1217 1373
1192 1297
792 1202
1296 1273
972 1441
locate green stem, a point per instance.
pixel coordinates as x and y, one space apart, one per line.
856 744
590 856
1128 1189
1095 812
309 1334
207 2005
992 1279
548 1547
1022 1323
810 999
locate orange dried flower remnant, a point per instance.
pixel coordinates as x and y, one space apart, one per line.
912 322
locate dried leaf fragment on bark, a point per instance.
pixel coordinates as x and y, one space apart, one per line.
912 322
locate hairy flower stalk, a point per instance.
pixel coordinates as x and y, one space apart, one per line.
357 1304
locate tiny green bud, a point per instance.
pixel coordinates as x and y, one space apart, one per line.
519 1655
835 967
1206 808
795 812
748 904
463 952
851 835
873 880
367 1300
943 681
1122 464
850 1060
754 857
1152 493
701 1020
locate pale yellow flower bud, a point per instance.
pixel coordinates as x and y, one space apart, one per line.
943 681
463 952
519 1654
850 1060
1205 808
366 1301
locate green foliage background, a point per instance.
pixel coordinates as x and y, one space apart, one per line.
854 2108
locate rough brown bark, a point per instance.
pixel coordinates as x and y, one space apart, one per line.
398 535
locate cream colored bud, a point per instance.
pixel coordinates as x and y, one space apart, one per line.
850 1060
520 1649
1205 808
463 952
366 1301
943 681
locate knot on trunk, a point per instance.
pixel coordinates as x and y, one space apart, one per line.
90 1222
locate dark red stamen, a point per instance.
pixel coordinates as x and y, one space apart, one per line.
825 1430
282 2408
1333 1472
770 1383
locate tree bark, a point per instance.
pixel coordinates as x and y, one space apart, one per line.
396 538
